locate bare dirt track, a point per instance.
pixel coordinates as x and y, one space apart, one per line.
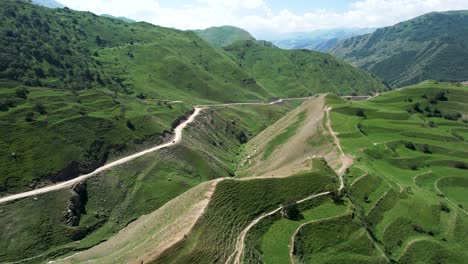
178 132
236 256
310 140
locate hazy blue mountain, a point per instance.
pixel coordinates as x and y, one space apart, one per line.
320 40
128 20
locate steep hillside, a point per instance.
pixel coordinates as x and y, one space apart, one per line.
223 36
78 89
64 49
433 46
101 206
300 72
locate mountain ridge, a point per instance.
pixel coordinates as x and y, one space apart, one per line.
224 35
431 46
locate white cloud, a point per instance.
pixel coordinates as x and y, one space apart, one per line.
257 17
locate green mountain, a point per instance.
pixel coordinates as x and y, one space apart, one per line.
223 36
78 89
300 72
432 46
64 49
96 87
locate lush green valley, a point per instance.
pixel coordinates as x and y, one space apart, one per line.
430 47
80 89
126 142
65 220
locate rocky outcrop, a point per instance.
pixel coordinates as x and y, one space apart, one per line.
76 204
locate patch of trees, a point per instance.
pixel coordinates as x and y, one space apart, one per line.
39 48
360 112
6 104
291 211
461 165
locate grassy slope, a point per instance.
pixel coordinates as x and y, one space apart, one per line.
300 72
432 46
338 240
400 196
287 146
89 87
77 132
269 241
235 204
66 49
210 149
223 36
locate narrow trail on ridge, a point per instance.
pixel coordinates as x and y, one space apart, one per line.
347 161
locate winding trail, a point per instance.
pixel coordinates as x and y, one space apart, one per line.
347 161
436 187
291 243
178 131
360 178
237 254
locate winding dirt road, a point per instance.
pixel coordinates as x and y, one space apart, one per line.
347 161
178 131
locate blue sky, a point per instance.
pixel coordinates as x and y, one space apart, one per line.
302 6
268 17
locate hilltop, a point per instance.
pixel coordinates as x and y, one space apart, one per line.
300 72
431 46
65 49
223 36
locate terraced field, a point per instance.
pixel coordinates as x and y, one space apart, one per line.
235 204
408 182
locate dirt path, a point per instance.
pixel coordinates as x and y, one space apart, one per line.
360 178
175 140
347 161
436 187
421 174
268 157
239 250
178 131
291 243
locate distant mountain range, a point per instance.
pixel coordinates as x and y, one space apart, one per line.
48 3
319 40
223 36
128 20
431 46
